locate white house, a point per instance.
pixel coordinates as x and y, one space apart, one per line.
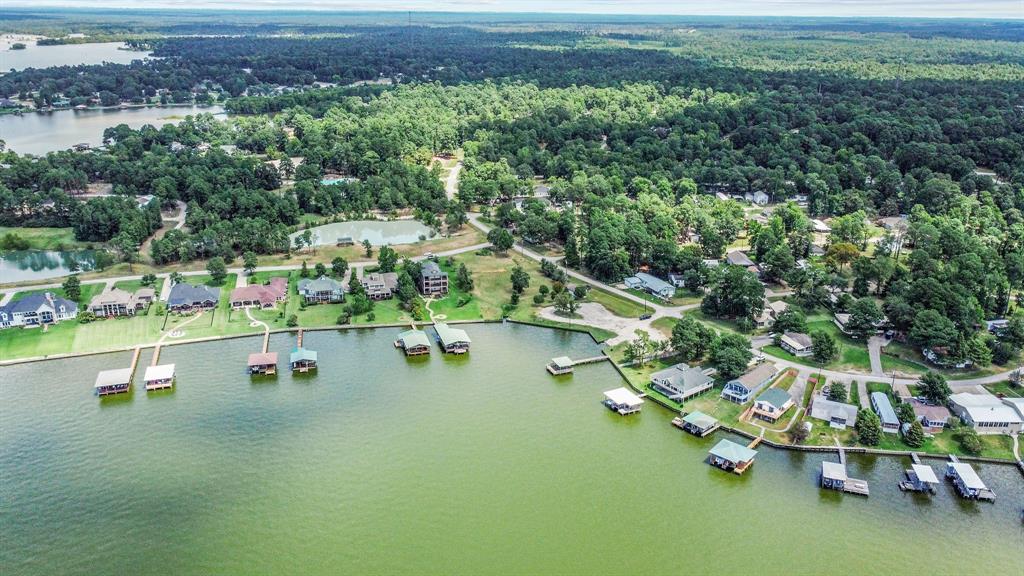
37 309
986 413
757 197
797 344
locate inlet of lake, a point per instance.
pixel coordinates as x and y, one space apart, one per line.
378 232
482 464
24 265
35 56
42 132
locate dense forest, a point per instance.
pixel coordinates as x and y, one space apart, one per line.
636 133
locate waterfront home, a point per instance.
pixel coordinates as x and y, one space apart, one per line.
739 258
932 418
322 290
188 298
771 312
920 478
739 390
263 363
696 423
433 281
113 381
731 456
159 376
622 401
682 381
452 340
986 413
883 407
650 284
833 475
772 404
820 227
117 302
302 360
260 295
837 414
677 280
797 343
413 342
380 286
560 365
37 309
967 481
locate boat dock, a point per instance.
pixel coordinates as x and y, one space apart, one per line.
733 457
119 380
301 359
967 481
564 364
697 423
920 477
834 477
159 376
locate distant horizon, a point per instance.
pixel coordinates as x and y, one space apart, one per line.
999 10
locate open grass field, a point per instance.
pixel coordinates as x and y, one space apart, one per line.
47 238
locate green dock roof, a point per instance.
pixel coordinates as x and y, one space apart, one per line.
733 452
413 338
303 354
449 335
700 420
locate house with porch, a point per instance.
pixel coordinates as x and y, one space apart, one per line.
739 258
932 418
322 290
260 295
380 286
433 280
188 298
986 413
651 284
682 381
797 343
743 388
37 309
839 415
118 302
772 404
883 407
771 312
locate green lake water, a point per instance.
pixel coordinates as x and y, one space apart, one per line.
481 465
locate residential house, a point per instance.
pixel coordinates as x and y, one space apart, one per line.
677 280
37 309
997 326
260 295
434 281
757 197
772 404
932 418
741 389
939 355
820 227
188 298
771 312
118 302
841 319
892 222
380 286
986 413
881 405
739 258
837 414
321 290
797 343
682 381
651 284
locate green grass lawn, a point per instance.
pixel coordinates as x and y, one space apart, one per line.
47 238
1006 389
716 323
853 354
786 381
665 324
134 285
88 291
615 304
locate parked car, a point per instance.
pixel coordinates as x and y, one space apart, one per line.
645 317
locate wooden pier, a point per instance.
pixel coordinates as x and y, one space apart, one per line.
833 477
967 481
565 365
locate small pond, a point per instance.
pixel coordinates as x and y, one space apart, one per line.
23 265
378 232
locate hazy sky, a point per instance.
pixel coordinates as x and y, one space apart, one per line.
922 8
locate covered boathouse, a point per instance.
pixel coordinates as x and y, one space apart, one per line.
452 340
622 401
159 376
560 365
413 342
696 423
113 381
302 360
263 363
731 456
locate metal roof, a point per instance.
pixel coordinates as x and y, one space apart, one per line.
159 372
413 338
562 362
884 408
449 335
654 283
302 354
967 475
924 473
262 358
622 396
777 397
113 377
700 420
833 471
733 452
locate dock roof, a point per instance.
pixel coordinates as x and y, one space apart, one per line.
116 377
733 452
622 396
303 354
413 338
700 420
159 372
562 362
262 358
833 471
967 475
449 335
924 473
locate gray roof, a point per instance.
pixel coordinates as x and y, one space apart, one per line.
881 401
700 420
824 409
449 335
654 283
116 377
413 338
429 268
32 302
755 376
183 294
682 377
777 397
739 258
321 284
733 452
833 471
797 340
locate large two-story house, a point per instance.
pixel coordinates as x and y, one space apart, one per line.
322 290
433 281
117 302
37 309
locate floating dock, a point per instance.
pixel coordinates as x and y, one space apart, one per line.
696 423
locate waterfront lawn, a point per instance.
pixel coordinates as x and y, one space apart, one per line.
47 238
31 342
615 304
853 354
992 445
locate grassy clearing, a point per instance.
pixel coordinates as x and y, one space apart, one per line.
665 324
853 354
134 285
786 381
616 305
47 238
1006 389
